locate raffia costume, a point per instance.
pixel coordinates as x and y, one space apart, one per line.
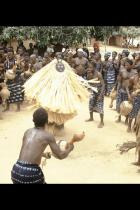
58 89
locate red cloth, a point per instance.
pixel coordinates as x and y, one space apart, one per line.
96 45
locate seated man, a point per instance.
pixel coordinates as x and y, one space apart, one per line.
35 140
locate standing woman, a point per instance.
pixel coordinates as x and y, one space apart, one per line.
14 83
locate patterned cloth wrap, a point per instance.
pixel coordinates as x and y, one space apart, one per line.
136 107
16 94
110 78
27 173
16 89
121 96
96 105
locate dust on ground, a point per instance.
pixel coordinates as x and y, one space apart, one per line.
94 160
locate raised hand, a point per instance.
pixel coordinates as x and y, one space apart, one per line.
78 137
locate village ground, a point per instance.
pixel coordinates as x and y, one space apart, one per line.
93 160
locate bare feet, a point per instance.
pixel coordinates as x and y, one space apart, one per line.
89 120
136 163
101 125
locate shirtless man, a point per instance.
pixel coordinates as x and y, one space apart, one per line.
35 140
123 88
80 63
96 101
135 95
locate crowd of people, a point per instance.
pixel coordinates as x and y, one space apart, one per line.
115 72
118 72
17 67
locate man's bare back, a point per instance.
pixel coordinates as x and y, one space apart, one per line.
34 143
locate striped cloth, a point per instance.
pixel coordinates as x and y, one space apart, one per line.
136 107
27 173
16 94
110 78
121 96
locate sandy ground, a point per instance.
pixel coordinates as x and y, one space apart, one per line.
94 160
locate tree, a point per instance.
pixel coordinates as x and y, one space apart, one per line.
131 32
104 33
44 35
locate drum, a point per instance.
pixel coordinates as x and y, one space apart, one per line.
125 108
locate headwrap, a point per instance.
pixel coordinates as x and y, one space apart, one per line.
80 50
126 52
114 52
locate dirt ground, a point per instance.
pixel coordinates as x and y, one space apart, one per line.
94 160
